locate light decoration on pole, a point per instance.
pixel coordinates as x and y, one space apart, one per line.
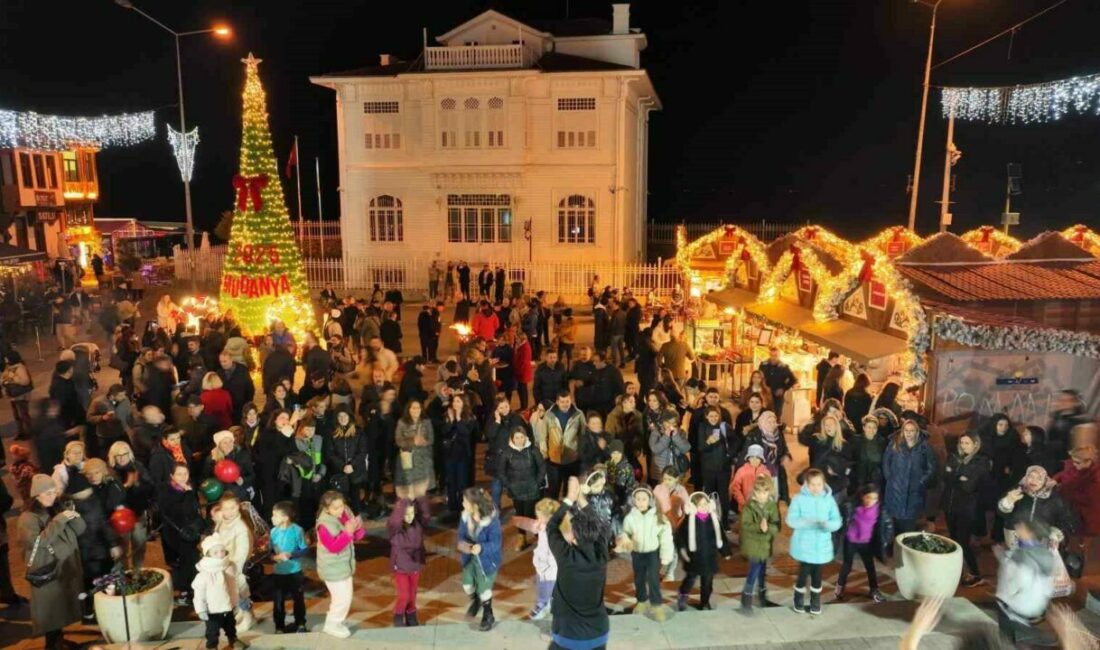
183 149
263 279
31 130
1084 237
1024 104
991 241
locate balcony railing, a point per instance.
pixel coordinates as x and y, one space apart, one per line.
469 57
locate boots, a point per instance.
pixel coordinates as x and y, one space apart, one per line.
681 602
475 606
799 604
746 603
763 594
487 618
815 601
411 620
399 620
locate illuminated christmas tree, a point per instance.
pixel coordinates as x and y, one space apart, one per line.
263 279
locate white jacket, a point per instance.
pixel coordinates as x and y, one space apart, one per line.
215 588
237 540
546 567
649 534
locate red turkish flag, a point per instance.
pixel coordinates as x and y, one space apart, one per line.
292 161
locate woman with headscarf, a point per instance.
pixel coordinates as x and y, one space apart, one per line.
964 477
46 534
769 435
1035 499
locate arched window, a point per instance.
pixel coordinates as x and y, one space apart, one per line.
447 123
386 218
576 220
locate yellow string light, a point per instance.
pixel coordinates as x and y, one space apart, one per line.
881 241
1084 237
263 279
999 242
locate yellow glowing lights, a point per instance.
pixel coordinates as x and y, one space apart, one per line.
991 241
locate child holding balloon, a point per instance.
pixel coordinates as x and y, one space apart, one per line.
230 527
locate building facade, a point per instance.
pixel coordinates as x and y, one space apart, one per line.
505 142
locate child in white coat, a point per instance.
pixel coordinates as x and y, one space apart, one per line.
546 567
648 537
216 593
234 533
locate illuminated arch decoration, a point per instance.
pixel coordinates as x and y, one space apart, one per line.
1084 237
893 241
991 241
830 287
746 246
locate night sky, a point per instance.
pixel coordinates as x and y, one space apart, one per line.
785 111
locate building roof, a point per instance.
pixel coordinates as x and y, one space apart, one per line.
942 247
1050 245
14 255
1007 281
981 316
776 249
549 62
573 26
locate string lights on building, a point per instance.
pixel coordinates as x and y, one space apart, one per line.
31 130
183 149
1024 104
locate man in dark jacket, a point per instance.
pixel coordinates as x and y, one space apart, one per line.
602 324
497 433
1068 412
390 332
633 327
315 359
236 380
63 391
279 364
779 378
821 370
428 327
212 345
499 280
603 385
580 618
159 383
549 378
200 432
464 279
484 282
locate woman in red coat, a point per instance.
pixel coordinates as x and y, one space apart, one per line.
523 370
216 400
1079 486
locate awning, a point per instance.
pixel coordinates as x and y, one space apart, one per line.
856 341
14 255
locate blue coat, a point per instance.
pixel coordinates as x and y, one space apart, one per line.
813 519
907 472
488 536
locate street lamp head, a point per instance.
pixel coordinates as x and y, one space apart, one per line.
221 31
125 4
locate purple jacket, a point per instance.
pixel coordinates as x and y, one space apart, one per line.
407 540
861 527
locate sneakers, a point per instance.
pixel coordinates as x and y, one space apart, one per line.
838 593
681 602
660 613
972 581
245 620
336 630
540 613
746 603
878 596
705 607
237 644
799 604
815 601
411 620
642 607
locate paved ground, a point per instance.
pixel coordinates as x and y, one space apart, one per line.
442 603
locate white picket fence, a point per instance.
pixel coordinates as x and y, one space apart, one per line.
410 275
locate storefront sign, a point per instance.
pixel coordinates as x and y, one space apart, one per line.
895 248
45 198
1017 381
726 247
253 286
805 281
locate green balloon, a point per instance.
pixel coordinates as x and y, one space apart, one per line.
212 489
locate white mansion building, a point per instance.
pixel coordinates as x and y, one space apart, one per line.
505 140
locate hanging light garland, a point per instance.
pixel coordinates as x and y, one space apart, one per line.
991 241
893 241
746 247
1026 104
56 133
183 149
1084 237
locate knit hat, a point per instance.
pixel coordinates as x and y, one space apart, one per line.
41 483
210 543
19 452
755 451
616 445
93 465
223 435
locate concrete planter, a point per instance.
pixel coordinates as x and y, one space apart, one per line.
149 613
920 574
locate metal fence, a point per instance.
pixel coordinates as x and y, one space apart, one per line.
410 275
766 231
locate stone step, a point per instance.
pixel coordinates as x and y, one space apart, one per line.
863 626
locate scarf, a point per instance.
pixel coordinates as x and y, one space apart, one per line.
703 517
176 451
1043 492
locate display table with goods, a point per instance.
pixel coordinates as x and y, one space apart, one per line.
927 565
141 600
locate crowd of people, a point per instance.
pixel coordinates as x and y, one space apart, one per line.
339 428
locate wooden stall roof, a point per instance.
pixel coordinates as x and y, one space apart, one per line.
1008 281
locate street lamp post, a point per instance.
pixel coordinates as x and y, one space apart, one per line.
923 112
219 31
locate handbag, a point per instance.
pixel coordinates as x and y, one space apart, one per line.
45 574
681 462
1074 564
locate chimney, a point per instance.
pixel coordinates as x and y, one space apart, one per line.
385 59
620 18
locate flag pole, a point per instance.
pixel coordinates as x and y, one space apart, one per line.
320 213
298 173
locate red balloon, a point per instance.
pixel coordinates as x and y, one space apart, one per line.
227 471
123 520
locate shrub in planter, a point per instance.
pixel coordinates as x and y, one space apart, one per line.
926 564
148 594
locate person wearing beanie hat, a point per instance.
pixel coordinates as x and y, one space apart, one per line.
647 535
741 485
56 603
216 592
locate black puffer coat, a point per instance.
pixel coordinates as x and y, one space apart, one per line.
701 542
1047 507
963 480
521 471
497 437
